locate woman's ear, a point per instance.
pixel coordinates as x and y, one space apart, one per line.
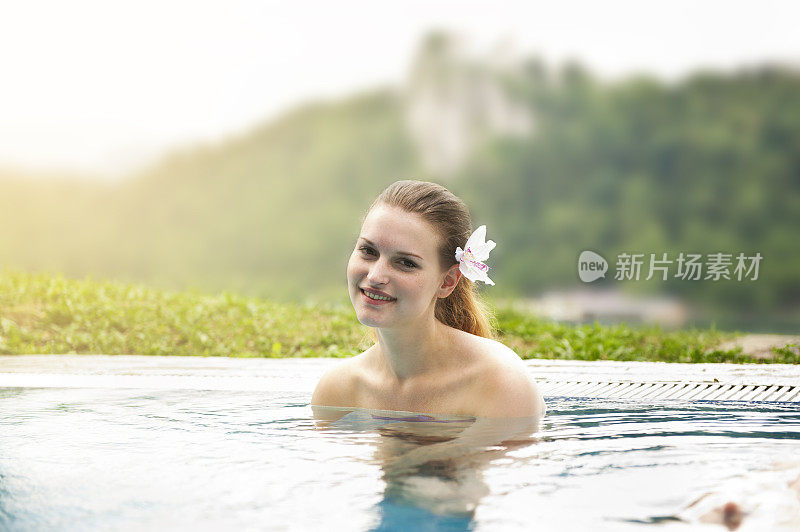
450 281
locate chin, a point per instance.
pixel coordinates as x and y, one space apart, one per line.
369 320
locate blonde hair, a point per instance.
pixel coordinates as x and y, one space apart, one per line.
463 309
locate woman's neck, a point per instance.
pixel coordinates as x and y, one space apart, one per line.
414 351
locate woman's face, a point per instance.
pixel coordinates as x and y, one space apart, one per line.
396 255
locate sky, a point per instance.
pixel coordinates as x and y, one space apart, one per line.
103 88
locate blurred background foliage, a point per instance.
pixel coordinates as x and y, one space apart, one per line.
551 159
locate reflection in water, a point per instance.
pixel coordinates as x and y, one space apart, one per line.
433 466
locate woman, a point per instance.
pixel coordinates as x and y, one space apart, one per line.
433 353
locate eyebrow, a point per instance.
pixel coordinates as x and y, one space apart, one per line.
399 252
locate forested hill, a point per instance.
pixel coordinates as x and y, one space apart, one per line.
711 164
272 212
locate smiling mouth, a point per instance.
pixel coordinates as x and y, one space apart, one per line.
376 297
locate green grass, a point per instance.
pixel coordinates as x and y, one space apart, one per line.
533 338
47 313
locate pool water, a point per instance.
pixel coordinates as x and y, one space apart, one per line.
139 459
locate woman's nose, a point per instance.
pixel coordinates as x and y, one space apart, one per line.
377 273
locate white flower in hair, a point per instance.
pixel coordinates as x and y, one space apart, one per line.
477 250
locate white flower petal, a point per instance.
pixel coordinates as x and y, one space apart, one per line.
477 237
468 271
478 246
481 251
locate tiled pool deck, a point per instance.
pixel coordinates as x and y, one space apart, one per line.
602 379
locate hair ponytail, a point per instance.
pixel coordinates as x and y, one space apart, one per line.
464 309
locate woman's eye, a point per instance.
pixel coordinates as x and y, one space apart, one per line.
405 262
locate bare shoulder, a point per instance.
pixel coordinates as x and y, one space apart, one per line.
337 386
505 389
492 353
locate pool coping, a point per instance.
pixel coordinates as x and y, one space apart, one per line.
574 378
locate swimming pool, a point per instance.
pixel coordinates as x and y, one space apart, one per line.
174 454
